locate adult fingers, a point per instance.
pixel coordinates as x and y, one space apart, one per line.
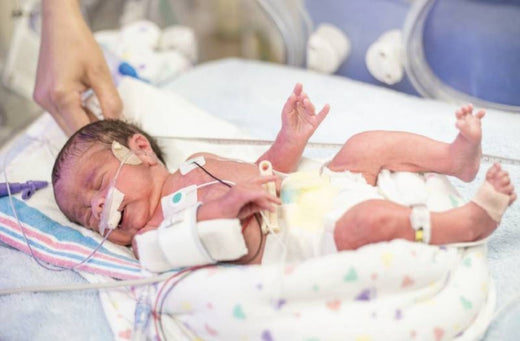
74 118
68 111
106 92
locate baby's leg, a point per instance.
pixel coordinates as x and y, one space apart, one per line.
380 220
371 151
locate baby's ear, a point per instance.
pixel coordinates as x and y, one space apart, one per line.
140 145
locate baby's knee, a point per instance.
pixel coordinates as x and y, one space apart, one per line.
363 224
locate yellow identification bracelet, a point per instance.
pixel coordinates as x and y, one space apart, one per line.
419 235
420 221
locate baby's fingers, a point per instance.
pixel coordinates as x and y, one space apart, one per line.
308 107
323 113
263 179
256 206
298 89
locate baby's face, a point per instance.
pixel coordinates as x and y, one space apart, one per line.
84 183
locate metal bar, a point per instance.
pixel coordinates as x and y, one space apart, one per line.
317 145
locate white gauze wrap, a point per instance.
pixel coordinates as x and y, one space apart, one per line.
493 202
184 244
182 241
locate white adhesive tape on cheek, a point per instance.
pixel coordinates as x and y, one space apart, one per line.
110 216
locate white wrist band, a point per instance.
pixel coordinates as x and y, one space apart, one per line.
420 220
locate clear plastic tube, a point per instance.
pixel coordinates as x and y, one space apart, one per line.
142 314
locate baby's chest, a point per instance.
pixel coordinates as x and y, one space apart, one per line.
214 177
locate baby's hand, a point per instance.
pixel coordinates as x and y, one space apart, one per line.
241 201
299 118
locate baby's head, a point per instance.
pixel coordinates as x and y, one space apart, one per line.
86 166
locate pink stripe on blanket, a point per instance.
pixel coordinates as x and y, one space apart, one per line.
100 263
35 234
67 264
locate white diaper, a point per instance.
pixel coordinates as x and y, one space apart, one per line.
311 205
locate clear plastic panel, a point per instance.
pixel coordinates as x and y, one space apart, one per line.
465 51
269 30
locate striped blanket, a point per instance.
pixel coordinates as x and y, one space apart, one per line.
61 245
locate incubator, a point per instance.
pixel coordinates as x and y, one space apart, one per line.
480 66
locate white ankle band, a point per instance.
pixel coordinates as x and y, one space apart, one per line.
420 221
492 201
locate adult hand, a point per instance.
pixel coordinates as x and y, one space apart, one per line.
69 63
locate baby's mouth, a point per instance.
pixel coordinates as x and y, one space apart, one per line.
120 223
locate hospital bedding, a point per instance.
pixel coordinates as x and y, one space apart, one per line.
252 101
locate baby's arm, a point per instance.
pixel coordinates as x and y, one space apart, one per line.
299 121
241 201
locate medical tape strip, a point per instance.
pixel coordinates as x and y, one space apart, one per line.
493 202
318 145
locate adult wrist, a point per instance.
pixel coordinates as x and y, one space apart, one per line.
63 7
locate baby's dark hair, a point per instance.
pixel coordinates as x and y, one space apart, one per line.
103 131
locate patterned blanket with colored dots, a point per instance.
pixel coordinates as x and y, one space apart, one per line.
396 290
399 289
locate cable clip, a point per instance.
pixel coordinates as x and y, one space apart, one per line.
28 188
269 219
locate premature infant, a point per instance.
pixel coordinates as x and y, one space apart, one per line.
87 165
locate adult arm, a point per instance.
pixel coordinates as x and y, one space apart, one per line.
70 62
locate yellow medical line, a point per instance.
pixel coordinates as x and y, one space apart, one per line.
317 145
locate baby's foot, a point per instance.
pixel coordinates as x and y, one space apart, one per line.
493 198
501 182
466 149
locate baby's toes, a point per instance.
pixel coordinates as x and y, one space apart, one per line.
474 120
468 108
492 171
503 178
480 114
461 124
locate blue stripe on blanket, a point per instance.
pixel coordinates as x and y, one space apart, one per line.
61 235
